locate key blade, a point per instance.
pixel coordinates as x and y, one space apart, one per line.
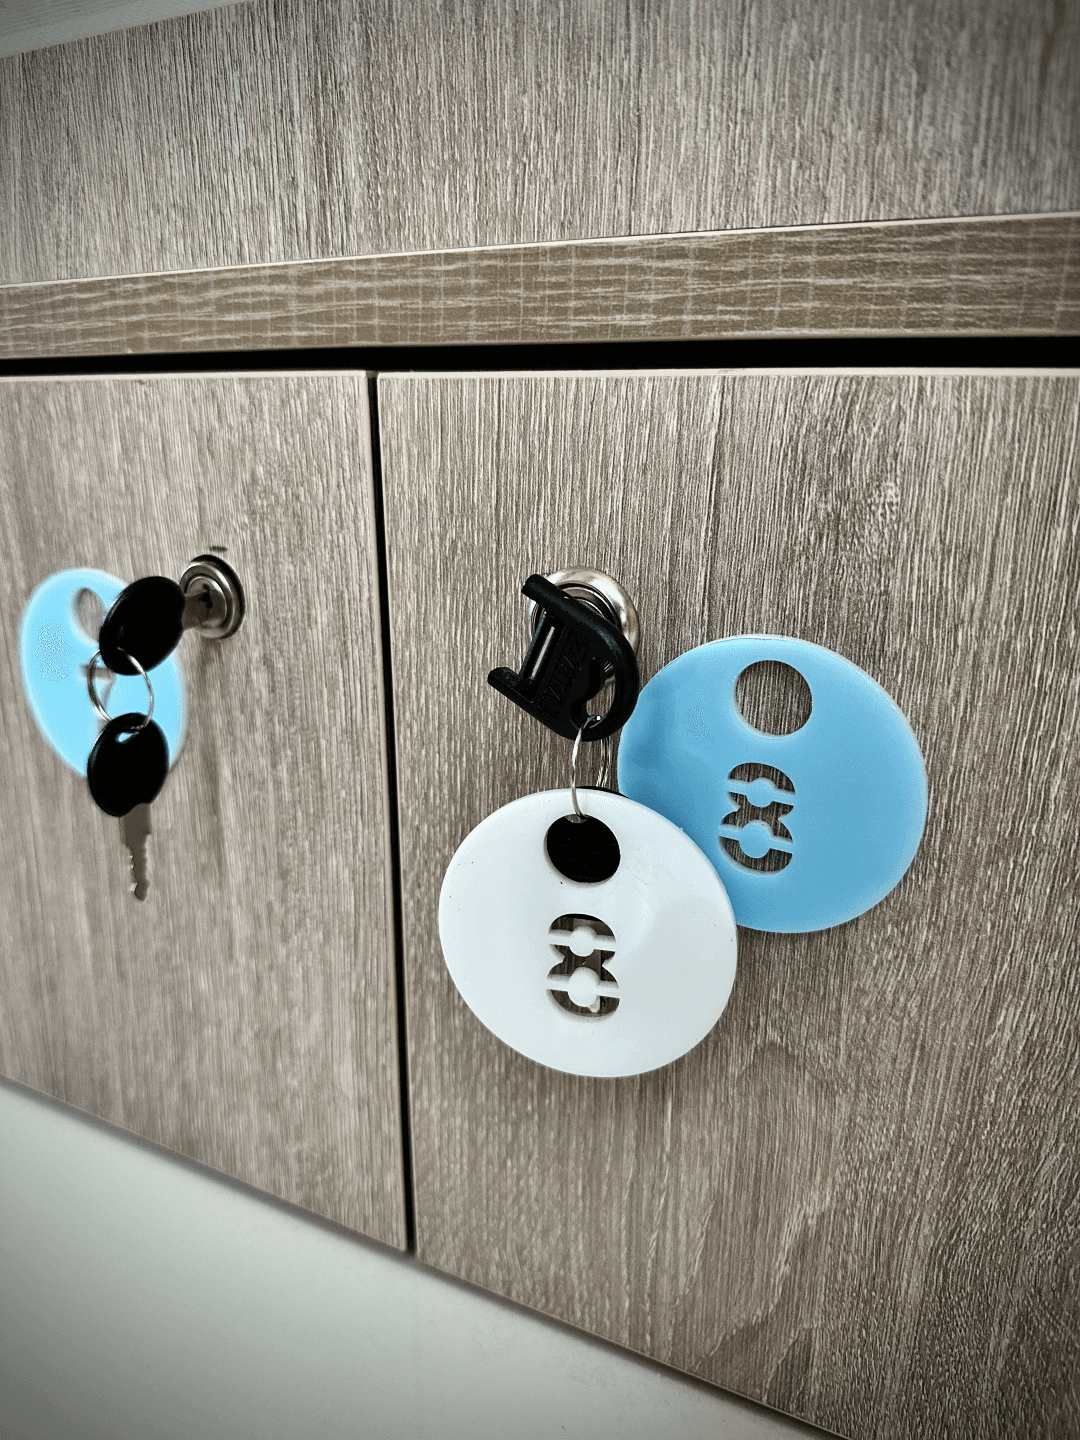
135 829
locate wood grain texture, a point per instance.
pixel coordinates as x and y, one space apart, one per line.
244 1014
291 129
858 1200
1017 275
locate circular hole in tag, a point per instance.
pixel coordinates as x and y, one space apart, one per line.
585 851
89 613
773 697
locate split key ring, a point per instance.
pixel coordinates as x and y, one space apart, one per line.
91 689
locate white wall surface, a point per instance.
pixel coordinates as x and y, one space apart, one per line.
30 24
143 1297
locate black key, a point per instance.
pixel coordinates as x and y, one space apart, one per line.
145 620
571 655
123 773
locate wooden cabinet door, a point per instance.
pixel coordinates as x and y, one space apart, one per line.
244 1014
858 1200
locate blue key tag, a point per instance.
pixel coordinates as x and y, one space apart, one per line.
806 830
54 652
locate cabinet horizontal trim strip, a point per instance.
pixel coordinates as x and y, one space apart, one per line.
989 275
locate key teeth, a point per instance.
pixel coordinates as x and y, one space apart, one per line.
136 832
139 880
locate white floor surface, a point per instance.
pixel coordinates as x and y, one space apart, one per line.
143 1297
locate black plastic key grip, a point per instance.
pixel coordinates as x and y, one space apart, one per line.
145 620
572 652
125 773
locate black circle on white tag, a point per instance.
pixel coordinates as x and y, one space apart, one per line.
607 978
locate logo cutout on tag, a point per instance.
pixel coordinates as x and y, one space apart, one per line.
754 834
581 982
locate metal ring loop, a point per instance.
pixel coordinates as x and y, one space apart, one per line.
573 777
102 712
607 752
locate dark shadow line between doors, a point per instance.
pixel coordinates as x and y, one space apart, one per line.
904 351
392 809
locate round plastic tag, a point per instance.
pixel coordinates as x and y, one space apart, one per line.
54 652
611 976
807 829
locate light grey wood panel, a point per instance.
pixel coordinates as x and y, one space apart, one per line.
990 276
859 1199
244 1014
290 129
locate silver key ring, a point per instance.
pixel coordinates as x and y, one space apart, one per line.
608 744
97 703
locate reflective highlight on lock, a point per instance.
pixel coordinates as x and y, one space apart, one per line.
806 829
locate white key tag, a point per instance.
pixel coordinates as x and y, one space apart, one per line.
601 947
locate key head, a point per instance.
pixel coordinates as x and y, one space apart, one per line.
127 766
145 620
571 655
